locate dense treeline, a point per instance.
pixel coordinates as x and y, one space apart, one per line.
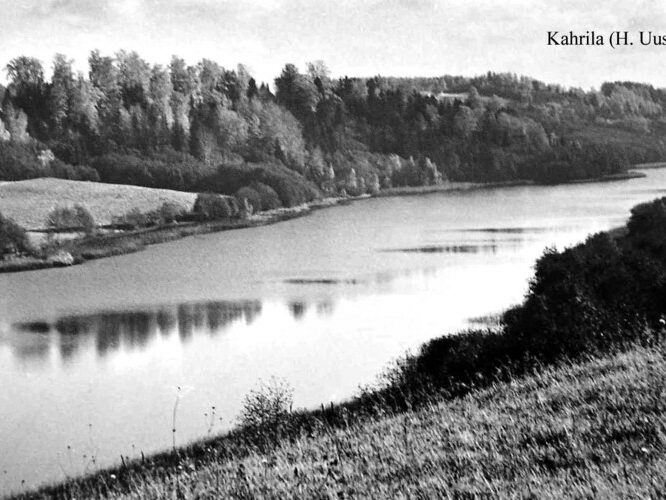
189 127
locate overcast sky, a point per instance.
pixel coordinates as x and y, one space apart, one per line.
359 38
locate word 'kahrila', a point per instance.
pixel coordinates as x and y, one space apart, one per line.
571 38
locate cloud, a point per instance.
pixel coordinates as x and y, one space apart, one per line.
68 10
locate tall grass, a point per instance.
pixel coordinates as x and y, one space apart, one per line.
596 428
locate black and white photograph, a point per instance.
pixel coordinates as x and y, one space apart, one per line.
332 249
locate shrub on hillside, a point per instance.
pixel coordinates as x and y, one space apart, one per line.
167 213
211 206
266 410
249 194
269 198
76 218
13 238
170 212
291 188
135 219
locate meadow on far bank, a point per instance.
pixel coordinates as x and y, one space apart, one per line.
29 202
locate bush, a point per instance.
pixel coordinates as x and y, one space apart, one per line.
76 218
646 226
291 188
253 198
210 206
13 238
170 212
267 406
135 219
269 198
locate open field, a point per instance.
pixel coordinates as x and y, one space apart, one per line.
591 429
29 202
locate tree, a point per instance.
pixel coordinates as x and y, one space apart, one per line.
133 78
180 76
4 133
474 99
13 238
160 112
25 71
252 90
83 106
61 90
296 93
16 122
319 75
464 122
27 91
103 76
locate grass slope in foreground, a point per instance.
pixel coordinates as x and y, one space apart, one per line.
594 428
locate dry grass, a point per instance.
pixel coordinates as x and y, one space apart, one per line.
592 429
29 202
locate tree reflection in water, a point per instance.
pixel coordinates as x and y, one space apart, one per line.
109 330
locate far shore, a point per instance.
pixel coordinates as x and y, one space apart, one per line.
468 186
109 245
646 166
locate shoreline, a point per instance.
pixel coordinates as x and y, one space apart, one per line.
650 165
110 245
102 246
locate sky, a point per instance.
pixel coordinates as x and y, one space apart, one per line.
353 37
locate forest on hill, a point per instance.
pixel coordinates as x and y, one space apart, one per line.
206 128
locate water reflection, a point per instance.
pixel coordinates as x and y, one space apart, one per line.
298 310
106 332
464 248
109 331
511 230
112 330
373 280
322 281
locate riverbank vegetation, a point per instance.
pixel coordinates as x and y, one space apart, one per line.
65 233
563 397
203 127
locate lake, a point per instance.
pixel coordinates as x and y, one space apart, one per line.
93 357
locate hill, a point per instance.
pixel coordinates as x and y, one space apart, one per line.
591 429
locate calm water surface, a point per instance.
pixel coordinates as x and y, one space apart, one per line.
91 356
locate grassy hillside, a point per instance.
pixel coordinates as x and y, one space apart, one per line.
29 202
596 428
